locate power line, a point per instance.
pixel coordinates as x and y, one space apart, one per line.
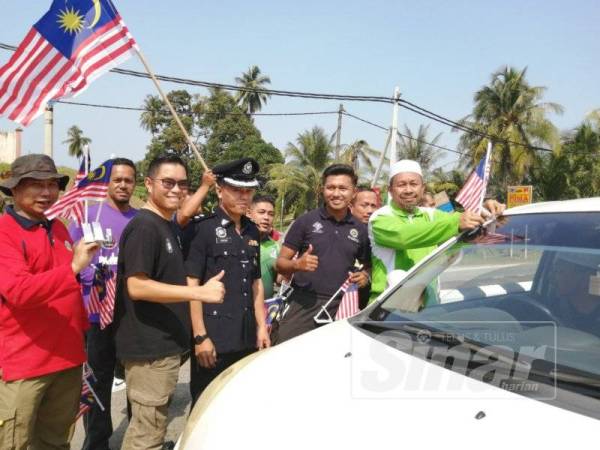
133 108
404 135
343 97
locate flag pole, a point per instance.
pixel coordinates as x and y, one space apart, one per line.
173 112
486 172
86 157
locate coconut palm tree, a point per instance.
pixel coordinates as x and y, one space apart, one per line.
76 141
449 181
300 177
252 98
509 108
419 147
358 155
153 115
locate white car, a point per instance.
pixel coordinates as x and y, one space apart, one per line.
493 341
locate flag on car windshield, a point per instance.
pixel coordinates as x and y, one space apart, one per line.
92 187
74 43
349 303
472 193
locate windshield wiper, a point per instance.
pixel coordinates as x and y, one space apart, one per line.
485 350
571 376
450 338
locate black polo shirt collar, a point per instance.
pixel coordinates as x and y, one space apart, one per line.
225 220
26 223
325 215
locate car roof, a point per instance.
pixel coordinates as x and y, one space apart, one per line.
562 206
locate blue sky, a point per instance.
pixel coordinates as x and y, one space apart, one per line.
438 52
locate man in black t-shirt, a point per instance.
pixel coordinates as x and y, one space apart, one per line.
152 314
329 241
227 241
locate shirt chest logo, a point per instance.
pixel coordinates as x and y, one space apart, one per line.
168 246
353 235
221 234
317 227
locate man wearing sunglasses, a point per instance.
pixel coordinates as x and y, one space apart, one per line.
227 241
152 314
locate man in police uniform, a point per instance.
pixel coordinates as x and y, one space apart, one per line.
227 240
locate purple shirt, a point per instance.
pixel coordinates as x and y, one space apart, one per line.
114 220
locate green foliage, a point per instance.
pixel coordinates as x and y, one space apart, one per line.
573 172
362 158
251 98
76 141
219 127
418 147
450 181
511 109
298 181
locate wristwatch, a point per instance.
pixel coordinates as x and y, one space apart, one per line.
200 338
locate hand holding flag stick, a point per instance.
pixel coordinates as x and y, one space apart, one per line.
348 305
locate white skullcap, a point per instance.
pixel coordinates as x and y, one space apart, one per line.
405 165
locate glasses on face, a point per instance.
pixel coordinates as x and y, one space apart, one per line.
169 183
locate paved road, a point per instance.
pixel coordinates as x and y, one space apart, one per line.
467 276
178 413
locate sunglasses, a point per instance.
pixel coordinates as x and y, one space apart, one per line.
169 183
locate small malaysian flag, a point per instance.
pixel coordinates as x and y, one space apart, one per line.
473 192
74 43
93 187
77 212
273 306
102 295
88 396
349 303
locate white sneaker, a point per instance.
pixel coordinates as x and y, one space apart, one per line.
118 385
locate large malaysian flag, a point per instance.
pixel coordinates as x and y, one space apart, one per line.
74 43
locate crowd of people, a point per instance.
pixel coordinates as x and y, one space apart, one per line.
188 285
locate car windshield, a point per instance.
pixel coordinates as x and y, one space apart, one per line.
533 277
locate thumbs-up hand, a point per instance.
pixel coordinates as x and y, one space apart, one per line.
213 290
307 262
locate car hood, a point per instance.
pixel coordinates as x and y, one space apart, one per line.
308 393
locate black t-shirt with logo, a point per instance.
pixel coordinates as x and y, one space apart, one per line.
147 330
337 244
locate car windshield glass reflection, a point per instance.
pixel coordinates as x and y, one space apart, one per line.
535 278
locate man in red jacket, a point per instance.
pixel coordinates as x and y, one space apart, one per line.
42 317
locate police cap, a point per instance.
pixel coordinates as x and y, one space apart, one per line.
239 173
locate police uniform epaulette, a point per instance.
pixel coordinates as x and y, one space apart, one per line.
202 217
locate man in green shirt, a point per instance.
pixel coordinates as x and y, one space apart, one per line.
403 233
262 212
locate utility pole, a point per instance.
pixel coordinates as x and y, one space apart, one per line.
381 159
394 130
48 130
338 133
